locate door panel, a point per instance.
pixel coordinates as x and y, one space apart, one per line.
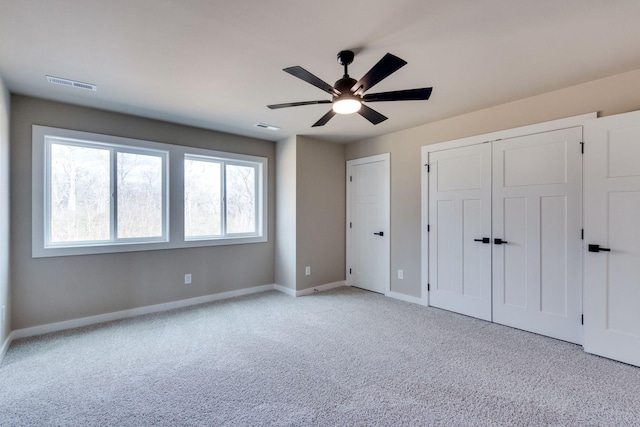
553 255
612 212
537 199
514 265
368 213
472 251
460 213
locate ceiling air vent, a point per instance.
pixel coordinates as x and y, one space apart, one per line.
266 126
71 83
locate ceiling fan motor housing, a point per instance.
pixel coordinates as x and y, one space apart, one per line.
345 84
345 57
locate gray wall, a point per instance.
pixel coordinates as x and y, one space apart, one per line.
612 95
5 288
310 189
321 212
286 213
49 290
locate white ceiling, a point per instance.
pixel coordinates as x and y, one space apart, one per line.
216 64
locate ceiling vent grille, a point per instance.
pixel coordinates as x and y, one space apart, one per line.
71 83
266 126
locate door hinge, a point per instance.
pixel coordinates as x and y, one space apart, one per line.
582 234
428 228
581 147
428 287
428 167
582 319
349 271
350 225
350 178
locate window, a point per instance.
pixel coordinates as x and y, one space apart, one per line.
101 194
220 198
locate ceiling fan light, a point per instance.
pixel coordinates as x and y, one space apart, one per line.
346 105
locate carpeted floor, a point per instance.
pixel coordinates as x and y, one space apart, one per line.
342 357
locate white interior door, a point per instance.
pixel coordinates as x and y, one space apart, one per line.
368 216
460 230
537 213
612 217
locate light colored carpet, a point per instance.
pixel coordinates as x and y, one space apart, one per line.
342 357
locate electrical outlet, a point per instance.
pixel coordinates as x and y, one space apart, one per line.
187 279
307 271
400 274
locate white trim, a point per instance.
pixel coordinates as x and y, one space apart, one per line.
175 211
285 290
5 346
320 288
303 292
568 122
386 158
156 308
406 298
565 123
424 224
117 315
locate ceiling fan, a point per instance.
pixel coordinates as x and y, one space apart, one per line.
348 94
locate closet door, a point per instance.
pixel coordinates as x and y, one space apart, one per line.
537 221
612 221
459 219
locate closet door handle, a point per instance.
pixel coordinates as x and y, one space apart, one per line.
379 233
500 242
597 248
483 240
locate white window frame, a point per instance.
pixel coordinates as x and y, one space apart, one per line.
113 150
174 200
224 162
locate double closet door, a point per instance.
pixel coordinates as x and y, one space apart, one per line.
505 226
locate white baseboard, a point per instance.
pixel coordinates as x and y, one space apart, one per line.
149 309
285 290
5 346
406 298
320 288
309 291
117 315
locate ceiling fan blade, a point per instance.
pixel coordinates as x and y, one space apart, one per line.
400 95
297 104
324 119
388 65
372 115
303 74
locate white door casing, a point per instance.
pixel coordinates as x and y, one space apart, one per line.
612 221
537 211
460 230
368 223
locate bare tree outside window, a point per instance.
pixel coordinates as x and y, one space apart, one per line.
139 179
80 194
241 199
202 198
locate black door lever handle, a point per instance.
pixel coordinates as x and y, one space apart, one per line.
597 248
500 242
379 233
483 240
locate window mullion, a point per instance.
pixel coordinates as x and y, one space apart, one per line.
223 199
47 193
256 199
114 194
